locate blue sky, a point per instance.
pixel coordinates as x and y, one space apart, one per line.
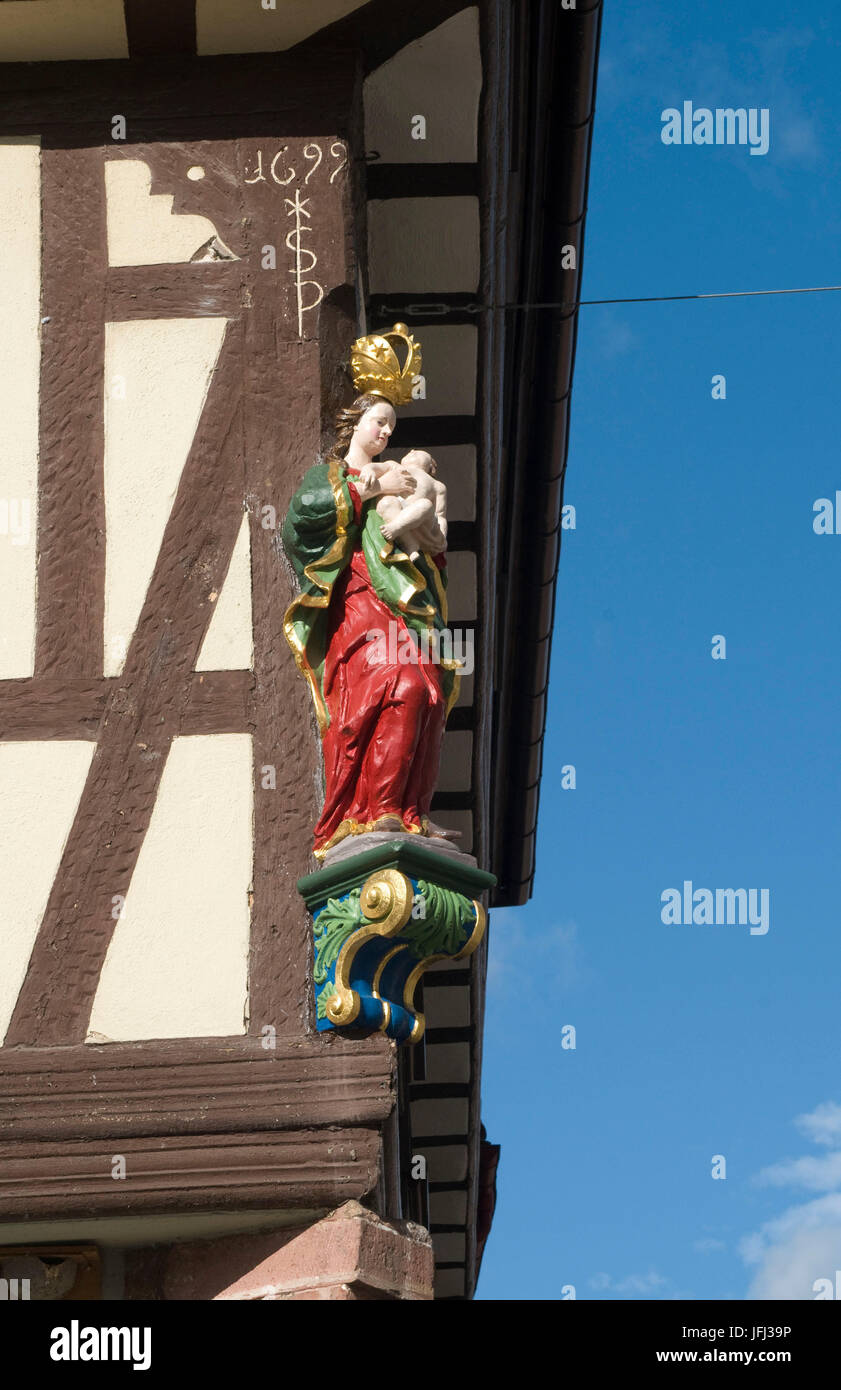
694 518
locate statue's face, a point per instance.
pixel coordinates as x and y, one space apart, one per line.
375 428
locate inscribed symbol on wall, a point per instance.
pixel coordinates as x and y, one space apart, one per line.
295 166
283 173
297 208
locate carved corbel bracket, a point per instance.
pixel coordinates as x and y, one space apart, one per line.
380 919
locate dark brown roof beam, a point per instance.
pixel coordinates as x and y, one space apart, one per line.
380 29
559 107
154 27
421 180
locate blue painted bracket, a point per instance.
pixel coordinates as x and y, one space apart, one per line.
380 918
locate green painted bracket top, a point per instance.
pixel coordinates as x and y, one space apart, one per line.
381 917
415 860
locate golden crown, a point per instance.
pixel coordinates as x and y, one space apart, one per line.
376 368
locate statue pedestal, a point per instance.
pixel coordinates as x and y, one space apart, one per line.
354 845
380 918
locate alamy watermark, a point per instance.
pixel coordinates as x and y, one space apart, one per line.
716 907
15 519
825 1288
402 646
726 125
12 1289
827 519
78 1342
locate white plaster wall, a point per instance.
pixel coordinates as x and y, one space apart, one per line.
457 469
420 245
40 786
449 365
456 761
142 229
178 961
20 357
229 642
48 30
231 26
461 585
438 77
157 373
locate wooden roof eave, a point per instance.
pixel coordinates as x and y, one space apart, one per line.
557 105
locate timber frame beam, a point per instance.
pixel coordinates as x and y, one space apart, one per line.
211 1123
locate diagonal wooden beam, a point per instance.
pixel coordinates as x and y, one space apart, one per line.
141 717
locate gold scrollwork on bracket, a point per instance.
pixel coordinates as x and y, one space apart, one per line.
477 933
412 982
386 900
375 983
423 965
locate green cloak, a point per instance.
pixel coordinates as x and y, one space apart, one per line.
319 536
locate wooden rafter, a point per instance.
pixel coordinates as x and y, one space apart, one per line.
154 27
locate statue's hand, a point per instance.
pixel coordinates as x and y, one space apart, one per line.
368 479
405 489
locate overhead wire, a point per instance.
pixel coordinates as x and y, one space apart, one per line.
440 307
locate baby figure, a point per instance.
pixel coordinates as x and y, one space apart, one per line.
417 517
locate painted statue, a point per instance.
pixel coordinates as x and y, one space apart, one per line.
367 541
419 520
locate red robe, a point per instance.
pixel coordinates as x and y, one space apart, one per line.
382 748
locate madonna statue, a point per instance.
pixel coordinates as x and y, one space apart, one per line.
363 627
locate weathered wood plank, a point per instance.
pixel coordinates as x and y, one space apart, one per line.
192 1086
260 93
71 506
305 1168
200 289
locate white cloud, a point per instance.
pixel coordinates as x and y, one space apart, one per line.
789 1269
634 1284
822 1214
823 1124
707 1245
817 1174
803 1243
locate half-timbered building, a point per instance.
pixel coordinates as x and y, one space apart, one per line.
202 204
